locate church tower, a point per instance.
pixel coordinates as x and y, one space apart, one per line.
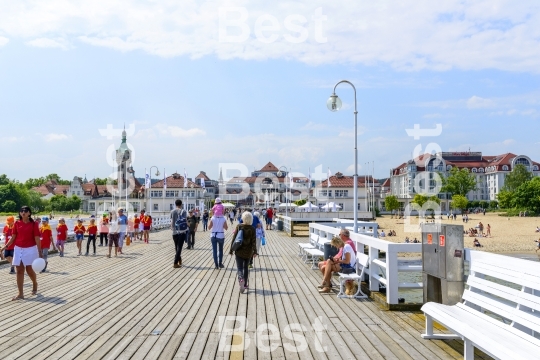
125 173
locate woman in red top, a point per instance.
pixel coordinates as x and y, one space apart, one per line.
147 223
27 249
61 235
92 232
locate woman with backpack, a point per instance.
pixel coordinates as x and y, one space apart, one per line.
244 246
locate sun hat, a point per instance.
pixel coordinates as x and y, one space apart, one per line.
10 219
218 200
45 219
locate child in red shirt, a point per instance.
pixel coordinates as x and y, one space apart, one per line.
79 235
61 235
8 232
92 233
46 240
136 224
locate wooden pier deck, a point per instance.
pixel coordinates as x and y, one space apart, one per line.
137 306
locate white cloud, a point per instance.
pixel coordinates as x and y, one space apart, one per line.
476 102
48 43
56 137
408 35
3 41
311 126
178 132
508 142
10 139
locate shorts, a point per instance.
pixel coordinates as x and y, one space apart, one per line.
268 221
141 227
8 253
346 268
79 236
121 237
25 256
113 238
60 242
146 228
45 253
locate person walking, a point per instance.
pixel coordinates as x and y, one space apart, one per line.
122 229
244 253
269 217
92 233
46 240
104 230
26 238
218 226
179 236
61 235
147 224
205 220
231 216
8 233
113 237
192 225
259 234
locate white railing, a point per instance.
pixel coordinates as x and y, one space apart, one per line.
161 222
381 270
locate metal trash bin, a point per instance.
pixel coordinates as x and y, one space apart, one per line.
329 251
280 225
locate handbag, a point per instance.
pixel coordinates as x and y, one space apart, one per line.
238 240
263 241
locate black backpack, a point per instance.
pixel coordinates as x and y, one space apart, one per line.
181 224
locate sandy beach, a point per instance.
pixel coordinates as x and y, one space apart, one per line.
509 235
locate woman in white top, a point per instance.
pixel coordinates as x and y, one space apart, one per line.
346 264
217 227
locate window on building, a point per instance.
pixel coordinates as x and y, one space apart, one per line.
342 193
341 205
156 193
523 161
92 206
481 170
171 193
359 206
171 206
78 193
474 170
156 207
188 193
505 167
326 193
190 206
535 167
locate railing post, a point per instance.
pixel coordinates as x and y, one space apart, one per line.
373 268
392 278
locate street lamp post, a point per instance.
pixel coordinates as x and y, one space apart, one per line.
334 104
157 174
279 174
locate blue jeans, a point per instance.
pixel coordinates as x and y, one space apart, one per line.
217 244
205 225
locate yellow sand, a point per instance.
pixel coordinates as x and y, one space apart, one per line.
515 234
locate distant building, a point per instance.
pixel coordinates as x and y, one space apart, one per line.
490 173
340 191
268 186
161 200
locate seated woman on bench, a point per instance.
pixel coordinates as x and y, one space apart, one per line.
346 263
344 235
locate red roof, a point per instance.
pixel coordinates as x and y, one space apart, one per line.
175 181
202 175
269 168
340 180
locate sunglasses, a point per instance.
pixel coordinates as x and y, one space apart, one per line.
24 210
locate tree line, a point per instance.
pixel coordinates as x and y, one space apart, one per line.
14 194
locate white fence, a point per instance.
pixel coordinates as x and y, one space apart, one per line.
381 271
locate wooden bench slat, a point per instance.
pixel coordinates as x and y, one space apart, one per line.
485 334
503 309
506 292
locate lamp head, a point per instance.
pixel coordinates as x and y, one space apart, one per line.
279 173
334 103
157 173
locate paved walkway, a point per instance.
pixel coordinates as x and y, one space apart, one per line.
138 306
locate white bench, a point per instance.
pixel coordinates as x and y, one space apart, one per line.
511 326
362 261
313 238
313 254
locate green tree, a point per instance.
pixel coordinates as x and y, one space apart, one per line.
527 196
12 192
458 182
505 199
74 203
35 201
459 202
419 200
300 202
517 177
9 206
4 179
391 203
493 204
31 183
57 178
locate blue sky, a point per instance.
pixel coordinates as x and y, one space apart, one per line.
196 101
